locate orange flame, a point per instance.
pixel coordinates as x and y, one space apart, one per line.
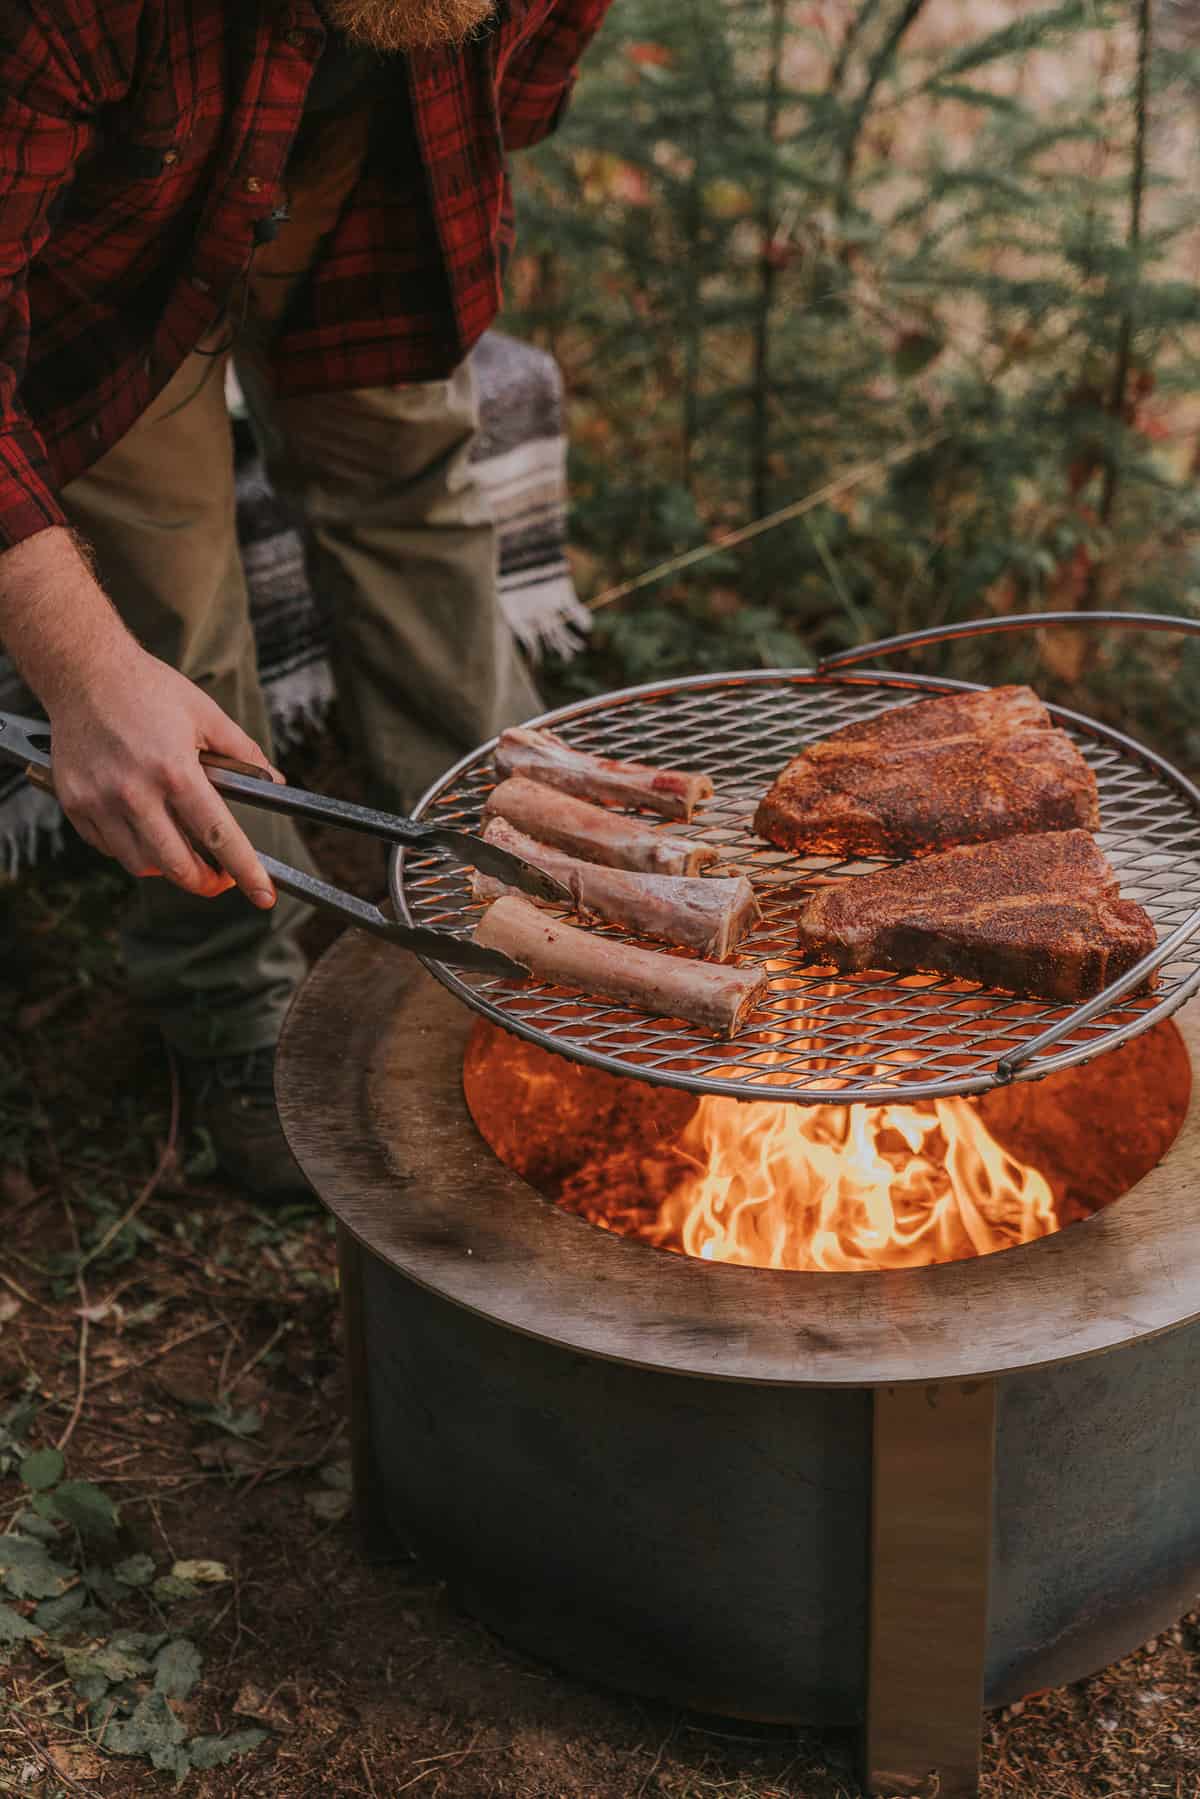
774 1184
832 1188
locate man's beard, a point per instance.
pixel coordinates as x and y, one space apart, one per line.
408 24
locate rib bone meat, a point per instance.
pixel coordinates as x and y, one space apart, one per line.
592 832
711 916
707 994
1035 915
963 768
546 758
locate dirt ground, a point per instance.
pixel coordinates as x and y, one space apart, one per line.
183 1346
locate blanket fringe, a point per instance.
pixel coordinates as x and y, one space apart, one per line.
29 819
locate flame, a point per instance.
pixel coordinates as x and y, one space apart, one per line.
773 1184
832 1188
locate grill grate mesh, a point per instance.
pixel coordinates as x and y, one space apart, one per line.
817 1037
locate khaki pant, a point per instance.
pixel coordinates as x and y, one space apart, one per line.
403 554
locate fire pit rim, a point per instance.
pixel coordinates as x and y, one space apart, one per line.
419 1188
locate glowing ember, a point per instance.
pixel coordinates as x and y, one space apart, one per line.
832 1188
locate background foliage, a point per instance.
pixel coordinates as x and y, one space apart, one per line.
775 242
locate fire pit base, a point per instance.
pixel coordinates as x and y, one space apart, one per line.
883 1499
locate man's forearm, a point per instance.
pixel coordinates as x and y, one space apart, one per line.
56 622
128 729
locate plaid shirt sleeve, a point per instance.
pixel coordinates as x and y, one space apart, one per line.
541 74
43 132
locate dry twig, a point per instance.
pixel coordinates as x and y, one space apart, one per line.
249 1367
16 1287
47 1760
84 1328
156 1355
151 1187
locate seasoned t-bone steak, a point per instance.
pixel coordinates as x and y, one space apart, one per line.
996 712
963 768
671 792
1036 915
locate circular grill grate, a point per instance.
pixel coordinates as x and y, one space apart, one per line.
816 1037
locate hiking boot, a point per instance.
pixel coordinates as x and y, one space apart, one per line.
232 1099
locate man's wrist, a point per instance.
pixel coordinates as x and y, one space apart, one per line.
56 621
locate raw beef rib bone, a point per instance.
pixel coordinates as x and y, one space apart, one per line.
711 915
592 832
710 995
544 757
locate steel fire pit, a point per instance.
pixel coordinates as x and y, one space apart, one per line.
882 1499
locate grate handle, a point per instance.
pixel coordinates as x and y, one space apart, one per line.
1007 1067
1013 621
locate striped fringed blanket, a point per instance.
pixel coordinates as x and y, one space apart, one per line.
521 461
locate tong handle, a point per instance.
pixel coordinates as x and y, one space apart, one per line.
327 898
231 765
436 946
253 787
1011 621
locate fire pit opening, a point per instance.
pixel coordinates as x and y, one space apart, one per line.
830 1189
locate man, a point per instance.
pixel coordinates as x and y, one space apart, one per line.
318 190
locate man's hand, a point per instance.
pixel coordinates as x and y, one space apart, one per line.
127 730
128 775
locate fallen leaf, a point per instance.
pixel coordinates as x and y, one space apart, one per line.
42 1469
103 1308
135 1571
146 1314
252 1702
30 1525
216 1752
168 1588
246 1423
154 1731
103 1660
76 1762
177 1668
328 1504
14 1628
109 1591
9 1307
201 1573
91 1512
28 1572
52 1614
140 1642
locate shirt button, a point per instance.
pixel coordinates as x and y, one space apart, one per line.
253 185
204 286
296 40
170 159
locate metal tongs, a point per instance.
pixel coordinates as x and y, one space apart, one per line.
27 741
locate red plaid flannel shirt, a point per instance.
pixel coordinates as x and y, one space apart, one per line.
142 145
